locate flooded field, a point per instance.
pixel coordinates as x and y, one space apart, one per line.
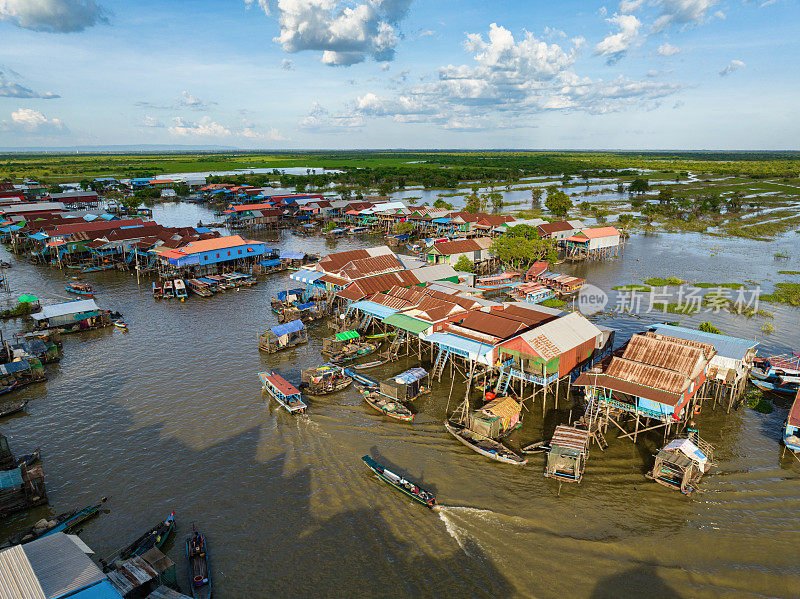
171 416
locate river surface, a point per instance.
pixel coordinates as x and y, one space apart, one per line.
171 417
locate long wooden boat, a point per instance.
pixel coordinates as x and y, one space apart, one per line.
778 385
199 287
387 406
13 408
372 364
353 351
121 324
325 380
78 288
61 523
361 380
283 392
155 537
168 290
489 448
198 565
381 335
97 268
400 483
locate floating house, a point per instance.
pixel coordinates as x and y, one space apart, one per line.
558 231
475 250
21 488
74 316
681 464
567 453
283 336
406 386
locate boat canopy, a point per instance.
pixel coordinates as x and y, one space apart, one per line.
305 306
12 367
66 308
690 450
347 335
283 295
270 263
292 255
411 376
290 327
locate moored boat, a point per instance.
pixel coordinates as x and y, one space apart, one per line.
61 523
791 431
489 448
387 405
79 288
324 380
781 385
30 458
372 364
155 537
168 290
12 408
353 351
400 483
198 565
180 289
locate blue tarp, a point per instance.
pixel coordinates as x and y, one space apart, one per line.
302 217
270 263
38 236
292 255
441 221
290 327
375 309
402 237
281 295
411 376
17 366
306 276
90 217
102 590
305 306
202 229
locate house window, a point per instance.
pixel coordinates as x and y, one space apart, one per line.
229 253
217 255
205 256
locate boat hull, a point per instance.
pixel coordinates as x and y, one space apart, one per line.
428 499
773 388
457 431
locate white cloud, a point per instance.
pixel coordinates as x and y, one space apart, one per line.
9 89
616 45
205 127
426 33
345 32
734 65
27 120
629 6
287 65
189 101
151 122
55 16
320 119
667 49
681 12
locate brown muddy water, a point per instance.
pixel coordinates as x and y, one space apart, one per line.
171 416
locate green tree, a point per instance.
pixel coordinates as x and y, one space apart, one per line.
558 203
639 185
475 201
665 196
54 189
404 228
520 252
625 222
536 197
385 187
464 264
497 200
85 184
443 204
565 179
735 203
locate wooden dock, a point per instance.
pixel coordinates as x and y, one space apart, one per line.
283 392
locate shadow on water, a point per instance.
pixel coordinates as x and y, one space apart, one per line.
642 581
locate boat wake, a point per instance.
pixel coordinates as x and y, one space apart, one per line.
452 515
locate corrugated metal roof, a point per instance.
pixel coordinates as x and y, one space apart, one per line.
391 301
66 308
491 324
333 262
597 232
377 310
460 246
305 275
726 346
290 327
164 592
648 375
675 355
436 272
591 379
407 323
570 438
16 366
367 267
47 568
561 335
453 341
550 228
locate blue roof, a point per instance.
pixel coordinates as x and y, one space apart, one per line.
411 376
290 327
109 216
38 236
734 348
282 295
17 366
102 590
305 306
451 341
202 229
377 310
442 221
90 217
292 255
10 478
306 276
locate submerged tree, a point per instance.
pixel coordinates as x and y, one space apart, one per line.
557 202
639 185
536 197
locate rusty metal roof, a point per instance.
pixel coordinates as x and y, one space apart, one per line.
673 354
370 266
390 301
550 228
592 379
570 438
492 324
371 285
648 375
462 246
335 261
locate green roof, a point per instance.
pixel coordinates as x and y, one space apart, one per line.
407 323
347 335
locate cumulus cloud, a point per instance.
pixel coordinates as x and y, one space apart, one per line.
54 16
629 6
287 65
508 82
734 65
9 89
205 127
27 120
668 49
616 45
345 32
681 12
189 101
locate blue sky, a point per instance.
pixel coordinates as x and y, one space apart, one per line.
638 74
